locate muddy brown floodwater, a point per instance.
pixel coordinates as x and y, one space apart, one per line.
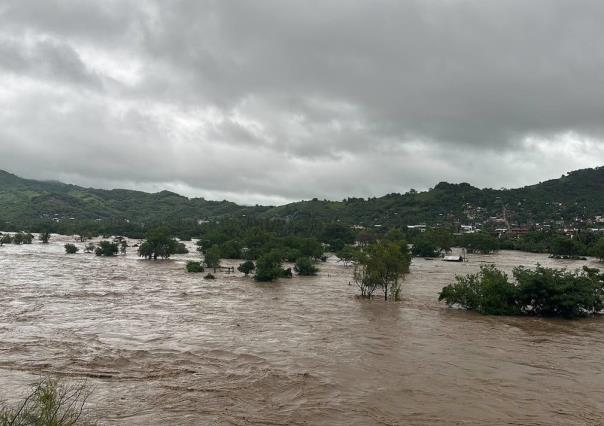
160 346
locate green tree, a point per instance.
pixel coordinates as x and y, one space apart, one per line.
158 243
212 257
598 249
44 237
6 239
423 247
564 246
555 292
268 266
305 266
479 242
488 292
246 267
71 248
106 248
347 255
383 265
193 266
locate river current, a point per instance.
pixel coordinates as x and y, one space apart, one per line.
160 346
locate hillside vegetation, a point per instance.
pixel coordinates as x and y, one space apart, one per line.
579 194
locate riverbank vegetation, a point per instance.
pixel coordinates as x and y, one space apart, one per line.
540 291
49 403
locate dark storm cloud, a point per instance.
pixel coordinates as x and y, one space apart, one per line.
280 100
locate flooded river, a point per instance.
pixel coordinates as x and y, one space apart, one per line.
160 346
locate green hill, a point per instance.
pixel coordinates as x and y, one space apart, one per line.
577 195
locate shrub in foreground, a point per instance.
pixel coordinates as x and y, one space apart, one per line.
49 403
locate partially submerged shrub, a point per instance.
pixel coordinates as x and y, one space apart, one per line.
209 276
246 267
193 266
487 292
50 403
542 291
71 248
305 266
106 248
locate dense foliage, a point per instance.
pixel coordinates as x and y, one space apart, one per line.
158 243
305 267
71 248
193 266
542 291
68 209
269 267
246 267
106 248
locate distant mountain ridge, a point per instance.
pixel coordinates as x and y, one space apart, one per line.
578 195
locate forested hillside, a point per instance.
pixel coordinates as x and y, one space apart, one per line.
579 195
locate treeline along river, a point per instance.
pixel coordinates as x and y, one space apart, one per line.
160 346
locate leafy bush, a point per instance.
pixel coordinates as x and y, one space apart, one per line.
212 258
106 248
542 291
554 292
268 266
424 248
488 292
246 267
71 248
479 242
22 238
193 266
305 266
158 243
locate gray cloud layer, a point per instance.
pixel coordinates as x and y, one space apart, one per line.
271 101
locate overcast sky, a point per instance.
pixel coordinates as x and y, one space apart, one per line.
274 101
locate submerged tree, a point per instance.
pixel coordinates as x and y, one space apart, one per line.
268 266
212 257
193 266
158 243
44 237
71 248
246 267
305 266
382 265
106 248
